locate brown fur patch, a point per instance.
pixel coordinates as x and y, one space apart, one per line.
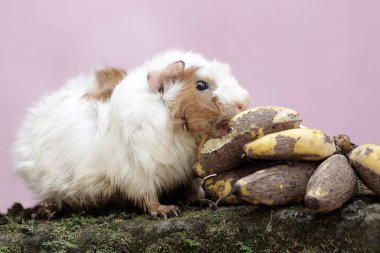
193 110
107 80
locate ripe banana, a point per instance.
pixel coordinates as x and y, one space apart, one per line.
293 144
277 185
221 185
366 161
331 185
222 154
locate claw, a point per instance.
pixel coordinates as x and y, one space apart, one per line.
165 211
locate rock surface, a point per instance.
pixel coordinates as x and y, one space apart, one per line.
354 228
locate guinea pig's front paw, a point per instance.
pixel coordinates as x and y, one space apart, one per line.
164 211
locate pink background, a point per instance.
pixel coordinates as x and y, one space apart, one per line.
318 57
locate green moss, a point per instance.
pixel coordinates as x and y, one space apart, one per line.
3 249
12 225
193 244
244 248
229 229
76 221
13 245
59 245
50 214
176 242
60 240
104 239
79 233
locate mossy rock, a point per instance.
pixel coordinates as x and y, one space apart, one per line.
353 228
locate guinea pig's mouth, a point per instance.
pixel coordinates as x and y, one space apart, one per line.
221 128
223 125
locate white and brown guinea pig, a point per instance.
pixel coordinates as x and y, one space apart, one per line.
82 149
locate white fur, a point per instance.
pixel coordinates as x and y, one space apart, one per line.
72 149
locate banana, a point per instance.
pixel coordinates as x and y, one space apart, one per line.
221 185
222 154
263 120
276 185
293 144
366 161
331 185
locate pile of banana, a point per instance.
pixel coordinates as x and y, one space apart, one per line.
269 158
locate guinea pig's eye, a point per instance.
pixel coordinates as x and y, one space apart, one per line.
202 85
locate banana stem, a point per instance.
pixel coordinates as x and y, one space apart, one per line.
221 198
344 144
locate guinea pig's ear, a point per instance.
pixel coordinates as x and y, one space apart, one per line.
154 80
156 77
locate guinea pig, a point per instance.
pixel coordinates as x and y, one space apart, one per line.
82 151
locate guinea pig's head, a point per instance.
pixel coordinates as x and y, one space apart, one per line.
207 98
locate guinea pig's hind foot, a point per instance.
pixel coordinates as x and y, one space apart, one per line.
158 210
